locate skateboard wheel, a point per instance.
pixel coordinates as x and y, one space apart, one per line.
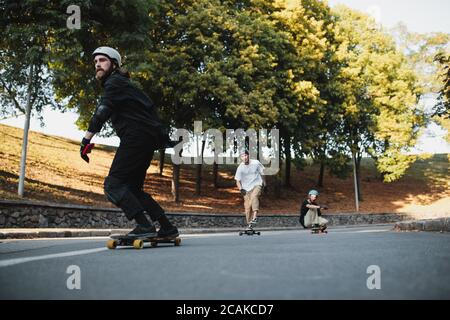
177 242
153 244
111 244
240 233
138 244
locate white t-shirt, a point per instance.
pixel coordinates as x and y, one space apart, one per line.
250 175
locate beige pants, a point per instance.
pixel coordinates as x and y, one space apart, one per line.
251 203
312 218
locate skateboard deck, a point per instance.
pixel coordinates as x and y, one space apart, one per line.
319 230
249 232
138 242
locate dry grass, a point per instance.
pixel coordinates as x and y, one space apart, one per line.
56 173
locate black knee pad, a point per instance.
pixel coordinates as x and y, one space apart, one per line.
115 190
118 192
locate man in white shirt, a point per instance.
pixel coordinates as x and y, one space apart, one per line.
250 181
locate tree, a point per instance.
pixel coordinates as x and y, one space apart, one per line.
312 24
272 70
428 55
381 116
124 25
443 105
24 78
24 43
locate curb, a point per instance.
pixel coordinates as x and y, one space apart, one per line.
433 225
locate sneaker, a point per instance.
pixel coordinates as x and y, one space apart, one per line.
141 231
168 233
254 221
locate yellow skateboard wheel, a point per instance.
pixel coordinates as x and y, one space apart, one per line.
177 242
111 244
138 244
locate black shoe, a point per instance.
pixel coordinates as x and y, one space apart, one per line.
141 231
168 233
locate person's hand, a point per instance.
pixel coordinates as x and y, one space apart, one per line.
324 207
85 148
243 192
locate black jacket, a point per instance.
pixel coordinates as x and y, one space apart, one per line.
132 113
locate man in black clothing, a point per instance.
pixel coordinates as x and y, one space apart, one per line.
136 122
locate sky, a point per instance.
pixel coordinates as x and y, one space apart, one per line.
420 16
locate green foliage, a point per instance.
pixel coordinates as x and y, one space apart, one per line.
381 91
24 43
332 81
443 105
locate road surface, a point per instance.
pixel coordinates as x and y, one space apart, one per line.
365 262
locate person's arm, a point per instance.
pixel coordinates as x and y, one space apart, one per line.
261 173
101 115
86 146
312 206
89 135
239 185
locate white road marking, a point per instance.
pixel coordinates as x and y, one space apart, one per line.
12 262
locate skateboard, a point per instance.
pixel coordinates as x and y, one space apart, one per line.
138 242
249 231
319 230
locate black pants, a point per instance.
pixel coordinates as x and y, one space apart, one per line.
125 181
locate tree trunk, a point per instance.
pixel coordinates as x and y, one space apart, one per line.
358 176
198 179
215 174
355 181
26 128
162 157
176 183
257 150
287 154
321 173
278 181
176 180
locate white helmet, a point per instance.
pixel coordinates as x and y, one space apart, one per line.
111 53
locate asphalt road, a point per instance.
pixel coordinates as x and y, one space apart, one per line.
291 265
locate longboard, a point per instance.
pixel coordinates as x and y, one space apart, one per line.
138 242
319 230
249 232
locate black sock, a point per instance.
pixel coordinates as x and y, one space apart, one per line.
142 220
164 222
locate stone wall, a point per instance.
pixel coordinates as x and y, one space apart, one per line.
27 214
